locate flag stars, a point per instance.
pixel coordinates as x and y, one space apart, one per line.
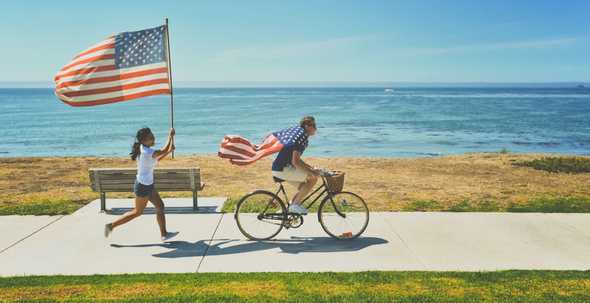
139 48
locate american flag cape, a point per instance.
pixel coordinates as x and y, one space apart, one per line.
123 67
241 151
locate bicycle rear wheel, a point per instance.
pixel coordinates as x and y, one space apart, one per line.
344 215
260 215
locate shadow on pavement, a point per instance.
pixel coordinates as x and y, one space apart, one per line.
295 245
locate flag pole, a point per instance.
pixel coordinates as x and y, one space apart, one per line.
170 79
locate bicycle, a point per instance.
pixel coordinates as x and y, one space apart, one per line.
261 214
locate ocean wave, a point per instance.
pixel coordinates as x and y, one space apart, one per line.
531 143
497 96
395 95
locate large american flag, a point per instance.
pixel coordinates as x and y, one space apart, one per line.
241 151
123 67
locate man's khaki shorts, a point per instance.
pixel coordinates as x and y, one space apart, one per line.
291 174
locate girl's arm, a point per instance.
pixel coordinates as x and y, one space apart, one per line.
168 148
164 154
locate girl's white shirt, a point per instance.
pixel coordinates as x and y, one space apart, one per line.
145 165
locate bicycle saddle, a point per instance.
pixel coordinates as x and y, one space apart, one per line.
278 180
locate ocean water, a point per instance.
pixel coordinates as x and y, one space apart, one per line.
351 121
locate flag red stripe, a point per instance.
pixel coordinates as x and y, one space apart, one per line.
237 139
92 50
86 71
270 140
238 150
232 161
95 58
114 78
117 99
228 156
259 155
114 88
239 156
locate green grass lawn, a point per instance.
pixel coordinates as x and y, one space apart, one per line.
503 286
41 207
540 205
536 205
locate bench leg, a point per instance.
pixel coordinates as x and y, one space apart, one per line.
103 201
195 201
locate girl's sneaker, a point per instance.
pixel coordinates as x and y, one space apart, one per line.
108 229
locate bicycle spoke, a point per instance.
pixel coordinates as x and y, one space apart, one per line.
260 215
344 215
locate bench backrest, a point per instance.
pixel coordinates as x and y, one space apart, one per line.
165 179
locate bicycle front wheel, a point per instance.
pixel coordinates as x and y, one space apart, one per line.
344 215
260 215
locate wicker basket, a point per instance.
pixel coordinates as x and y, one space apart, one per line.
335 182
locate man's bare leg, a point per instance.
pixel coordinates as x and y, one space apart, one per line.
304 189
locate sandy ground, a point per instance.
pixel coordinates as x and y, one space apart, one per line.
387 184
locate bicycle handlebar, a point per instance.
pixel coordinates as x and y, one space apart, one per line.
324 172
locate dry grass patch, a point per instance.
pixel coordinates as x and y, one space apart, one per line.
387 184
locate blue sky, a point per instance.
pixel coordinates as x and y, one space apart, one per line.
414 41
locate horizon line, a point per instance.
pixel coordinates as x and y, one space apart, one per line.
327 83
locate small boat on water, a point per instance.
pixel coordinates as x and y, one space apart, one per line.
389 90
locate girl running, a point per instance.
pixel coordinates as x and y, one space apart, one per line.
144 190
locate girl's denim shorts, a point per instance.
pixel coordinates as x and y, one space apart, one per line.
141 190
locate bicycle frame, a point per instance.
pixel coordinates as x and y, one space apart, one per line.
292 219
323 193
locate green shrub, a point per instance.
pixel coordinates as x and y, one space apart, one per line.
559 164
422 205
553 205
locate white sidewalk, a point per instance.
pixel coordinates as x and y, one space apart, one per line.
211 242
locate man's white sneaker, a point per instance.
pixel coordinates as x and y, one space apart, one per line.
298 209
169 235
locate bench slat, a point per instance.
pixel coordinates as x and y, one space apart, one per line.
183 186
157 174
105 180
134 170
122 179
156 180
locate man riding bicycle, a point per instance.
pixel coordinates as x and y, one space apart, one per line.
262 214
289 166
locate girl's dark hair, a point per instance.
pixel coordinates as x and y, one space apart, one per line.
141 135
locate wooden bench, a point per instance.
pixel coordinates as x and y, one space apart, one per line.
105 180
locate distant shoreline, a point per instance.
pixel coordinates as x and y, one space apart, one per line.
333 84
6 156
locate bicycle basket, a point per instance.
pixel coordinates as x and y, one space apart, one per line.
335 182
